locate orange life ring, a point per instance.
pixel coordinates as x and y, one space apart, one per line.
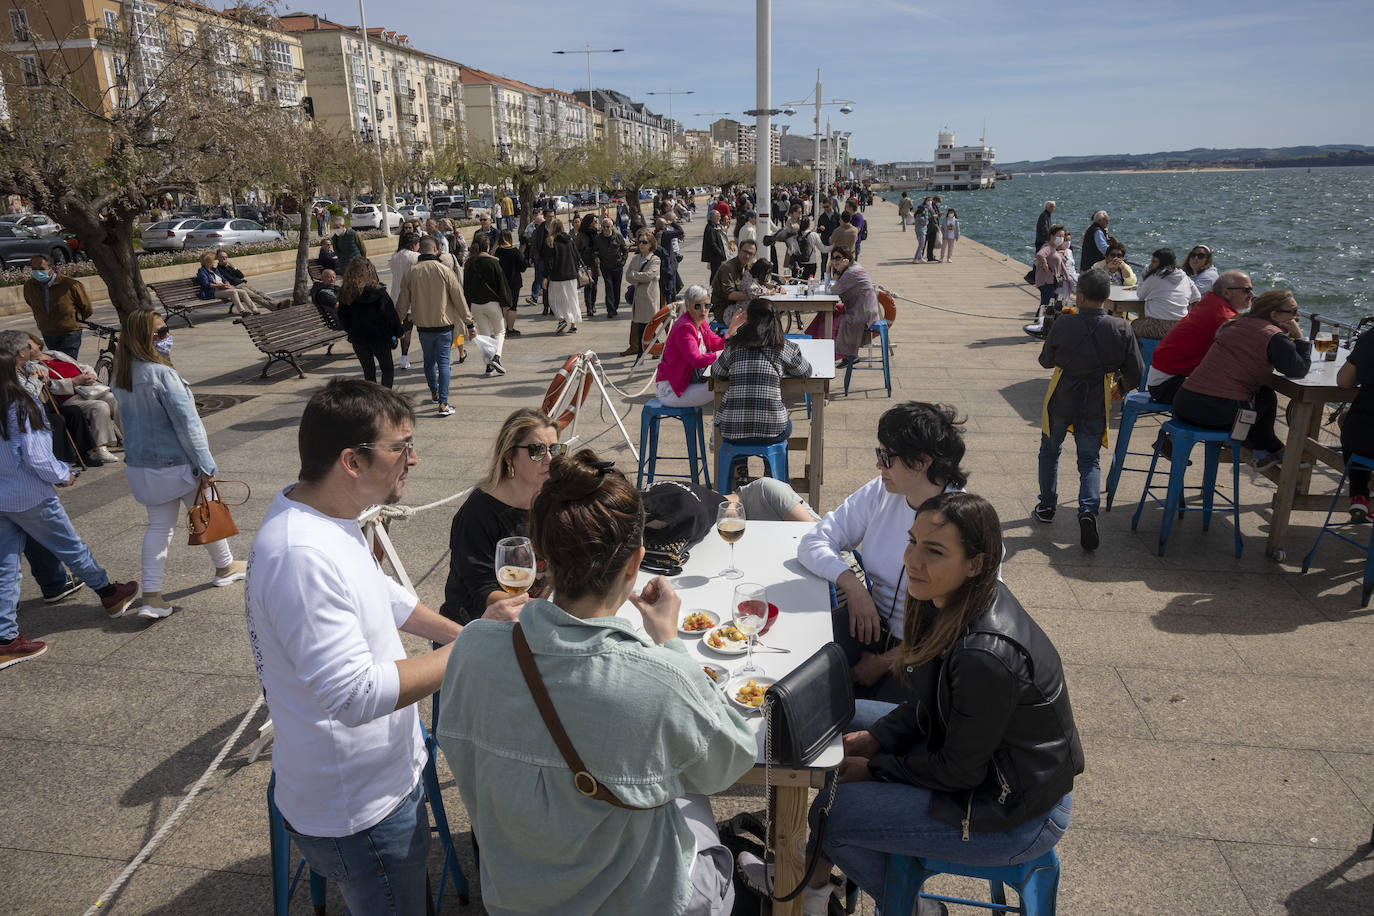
651 331
556 388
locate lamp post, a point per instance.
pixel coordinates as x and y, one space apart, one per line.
670 93
846 106
589 51
372 106
763 164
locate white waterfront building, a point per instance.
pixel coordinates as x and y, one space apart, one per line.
962 168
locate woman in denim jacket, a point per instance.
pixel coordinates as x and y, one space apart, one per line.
166 452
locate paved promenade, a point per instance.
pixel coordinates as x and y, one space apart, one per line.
1225 705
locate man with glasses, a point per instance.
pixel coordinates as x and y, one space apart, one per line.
323 621
729 286
1179 353
485 228
609 252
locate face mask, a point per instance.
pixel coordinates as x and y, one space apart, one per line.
1062 243
163 346
42 276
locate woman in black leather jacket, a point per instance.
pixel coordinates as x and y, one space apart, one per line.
975 766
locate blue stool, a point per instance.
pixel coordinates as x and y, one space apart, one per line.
1134 405
774 459
694 431
430 776
1358 461
284 881
1185 436
1035 882
881 327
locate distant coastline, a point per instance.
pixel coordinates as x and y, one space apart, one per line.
1201 160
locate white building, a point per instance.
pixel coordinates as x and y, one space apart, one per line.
962 168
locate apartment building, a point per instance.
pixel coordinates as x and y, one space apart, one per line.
511 115
630 125
744 137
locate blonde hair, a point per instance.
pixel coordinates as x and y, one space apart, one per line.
207 257
358 275
512 431
136 344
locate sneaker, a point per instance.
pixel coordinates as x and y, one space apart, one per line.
491 370
445 410
572 330
117 605
1087 531
1359 509
93 460
1267 461
1043 514
152 612
238 571
104 454
20 650
70 587
404 363
562 326
496 364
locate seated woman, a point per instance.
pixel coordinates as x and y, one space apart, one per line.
859 297
1118 271
213 286
691 347
1247 351
1357 426
977 764
653 731
498 508
919 449
1166 294
755 360
1199 266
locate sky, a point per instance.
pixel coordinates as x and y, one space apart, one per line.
1071 79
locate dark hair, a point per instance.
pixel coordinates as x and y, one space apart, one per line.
480 246
507 237
914 430
928 631
342 414
1168 263
1115 245
585 521
761 270
761 329
1057 227
588 224
405 240
1188 261
845 217
1095 285
13 394
805 224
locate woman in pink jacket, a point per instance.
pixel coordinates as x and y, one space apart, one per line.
691 347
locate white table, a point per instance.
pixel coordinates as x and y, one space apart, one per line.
1124 299
768 556
791 299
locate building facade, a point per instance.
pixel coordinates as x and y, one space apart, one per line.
962 168
507 114
630 126
744 138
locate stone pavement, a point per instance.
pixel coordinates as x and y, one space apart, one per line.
1224 704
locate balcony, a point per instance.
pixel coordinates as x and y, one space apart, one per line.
108 36
298 73
376 86
413 118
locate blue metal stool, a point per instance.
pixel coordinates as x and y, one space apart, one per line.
807 396
1035 882
1367 464
774 459
452 868
1184 437
284 881
881 327
1135 404
694 430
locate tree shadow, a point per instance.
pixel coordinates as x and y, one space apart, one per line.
1000 342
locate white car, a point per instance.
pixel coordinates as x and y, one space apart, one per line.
415 211
369 216
168 235
218 233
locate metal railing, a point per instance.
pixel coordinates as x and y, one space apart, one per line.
1339 329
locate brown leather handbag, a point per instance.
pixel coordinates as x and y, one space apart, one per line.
209 519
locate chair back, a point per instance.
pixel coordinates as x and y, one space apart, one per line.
1147 353
655 334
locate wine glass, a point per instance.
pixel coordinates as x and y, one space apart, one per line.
730 526
751 613
515 565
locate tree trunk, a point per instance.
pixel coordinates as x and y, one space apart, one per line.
632 201
300 291
525 191
110 245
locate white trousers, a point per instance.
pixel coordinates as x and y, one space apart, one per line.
698 395
157 541
491 322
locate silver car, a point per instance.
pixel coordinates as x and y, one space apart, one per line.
229 232
168 235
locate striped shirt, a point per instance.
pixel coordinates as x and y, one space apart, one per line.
28 469
752 406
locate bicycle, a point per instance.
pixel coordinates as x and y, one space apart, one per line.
104 363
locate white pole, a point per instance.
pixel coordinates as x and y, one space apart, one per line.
816 162
763 145
372 104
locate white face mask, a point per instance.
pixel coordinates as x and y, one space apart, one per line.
1060 241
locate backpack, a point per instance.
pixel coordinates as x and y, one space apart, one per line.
803 248
863 233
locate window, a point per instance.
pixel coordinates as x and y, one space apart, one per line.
28 67
257 53
19 24
121 76
188 38
112 20
279 53
287 93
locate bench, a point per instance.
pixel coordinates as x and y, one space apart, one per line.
314 269
287 333
180 297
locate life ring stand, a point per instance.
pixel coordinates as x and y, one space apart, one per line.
555 390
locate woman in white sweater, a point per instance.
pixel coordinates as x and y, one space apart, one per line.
919 449
1166 294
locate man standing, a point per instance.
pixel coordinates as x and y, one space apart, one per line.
904 210
669 235
714 250
728 287
404 258
508 208
432 230
1042 225
829 221
485 228
537 234
432 297
1182 349
58 304
609 251
1084 350
1095 241
856 219
347 244
323 623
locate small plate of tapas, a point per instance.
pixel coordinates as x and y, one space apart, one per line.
726 640
695 622
747 693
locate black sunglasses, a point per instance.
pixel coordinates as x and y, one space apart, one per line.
884 457
162 332
538 451
1198 254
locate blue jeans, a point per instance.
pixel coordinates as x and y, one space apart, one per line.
380 870
538 286
68 343
47 569
48 524
1089 472
435 345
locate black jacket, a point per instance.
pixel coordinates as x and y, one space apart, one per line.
485 281
370 318
326 299
611 250
512 265
987 727
232 275
1042 229
1088 346
713 250
560 261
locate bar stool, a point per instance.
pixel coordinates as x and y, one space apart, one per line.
1185 436
880 328
1036 884
694 430
1358 461
284 881
807 396
774 459
1133 406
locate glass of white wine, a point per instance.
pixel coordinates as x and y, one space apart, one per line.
515 565
751 613
730 526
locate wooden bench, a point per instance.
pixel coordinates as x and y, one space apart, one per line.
180 297
287 333
314 269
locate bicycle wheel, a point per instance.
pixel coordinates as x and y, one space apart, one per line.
104 368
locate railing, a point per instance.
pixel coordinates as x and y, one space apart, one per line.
298 73
1337 326
108 36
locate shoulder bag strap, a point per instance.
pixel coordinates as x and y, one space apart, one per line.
586 783
822 822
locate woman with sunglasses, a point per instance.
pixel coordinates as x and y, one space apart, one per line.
641 275
919 449
691 347
1198 265
1246 353
167 456
499 507
858 301
1118 271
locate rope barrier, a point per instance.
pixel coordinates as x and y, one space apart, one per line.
940 308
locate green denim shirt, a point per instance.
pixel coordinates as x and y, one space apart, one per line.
647 722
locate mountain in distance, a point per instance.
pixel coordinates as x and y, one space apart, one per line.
1336 154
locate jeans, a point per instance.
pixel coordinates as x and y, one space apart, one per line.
1089 472
610 278
435 345
589 296
68 343
381 870
47 569
1047 293
373 355
48 524
538 279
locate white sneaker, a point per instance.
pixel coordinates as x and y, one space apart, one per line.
104 454
445 410
148 612
405 363
238 570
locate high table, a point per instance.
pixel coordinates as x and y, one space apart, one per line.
768 556
790 299
821 355
1306 395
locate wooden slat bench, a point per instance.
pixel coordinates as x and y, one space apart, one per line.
287 333
180 297
313 268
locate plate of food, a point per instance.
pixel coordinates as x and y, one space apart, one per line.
726 640
717 674
747 693
695 622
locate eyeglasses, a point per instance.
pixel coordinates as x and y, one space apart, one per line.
884 457
406 447
1198 254
1248 290
538 451
1292 311
162 332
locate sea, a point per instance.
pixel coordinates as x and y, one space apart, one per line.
1308 230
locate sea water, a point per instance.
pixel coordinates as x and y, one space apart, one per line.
1309 230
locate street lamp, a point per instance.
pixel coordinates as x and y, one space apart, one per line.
589 51
372 106
846 106
670 93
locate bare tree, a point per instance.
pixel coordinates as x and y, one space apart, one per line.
526 168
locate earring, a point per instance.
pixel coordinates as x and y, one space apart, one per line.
510 469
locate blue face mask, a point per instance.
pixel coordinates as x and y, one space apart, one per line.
42 276
163 346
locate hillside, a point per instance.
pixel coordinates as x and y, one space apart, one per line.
1281 157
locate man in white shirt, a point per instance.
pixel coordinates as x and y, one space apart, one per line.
323 622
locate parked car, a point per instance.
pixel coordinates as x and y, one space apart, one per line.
38 222
169 235
250 212
229 232
557 204
18 244
415 211
369 216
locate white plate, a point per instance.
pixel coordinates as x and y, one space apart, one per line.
730 648
722 673
681 621
735 683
